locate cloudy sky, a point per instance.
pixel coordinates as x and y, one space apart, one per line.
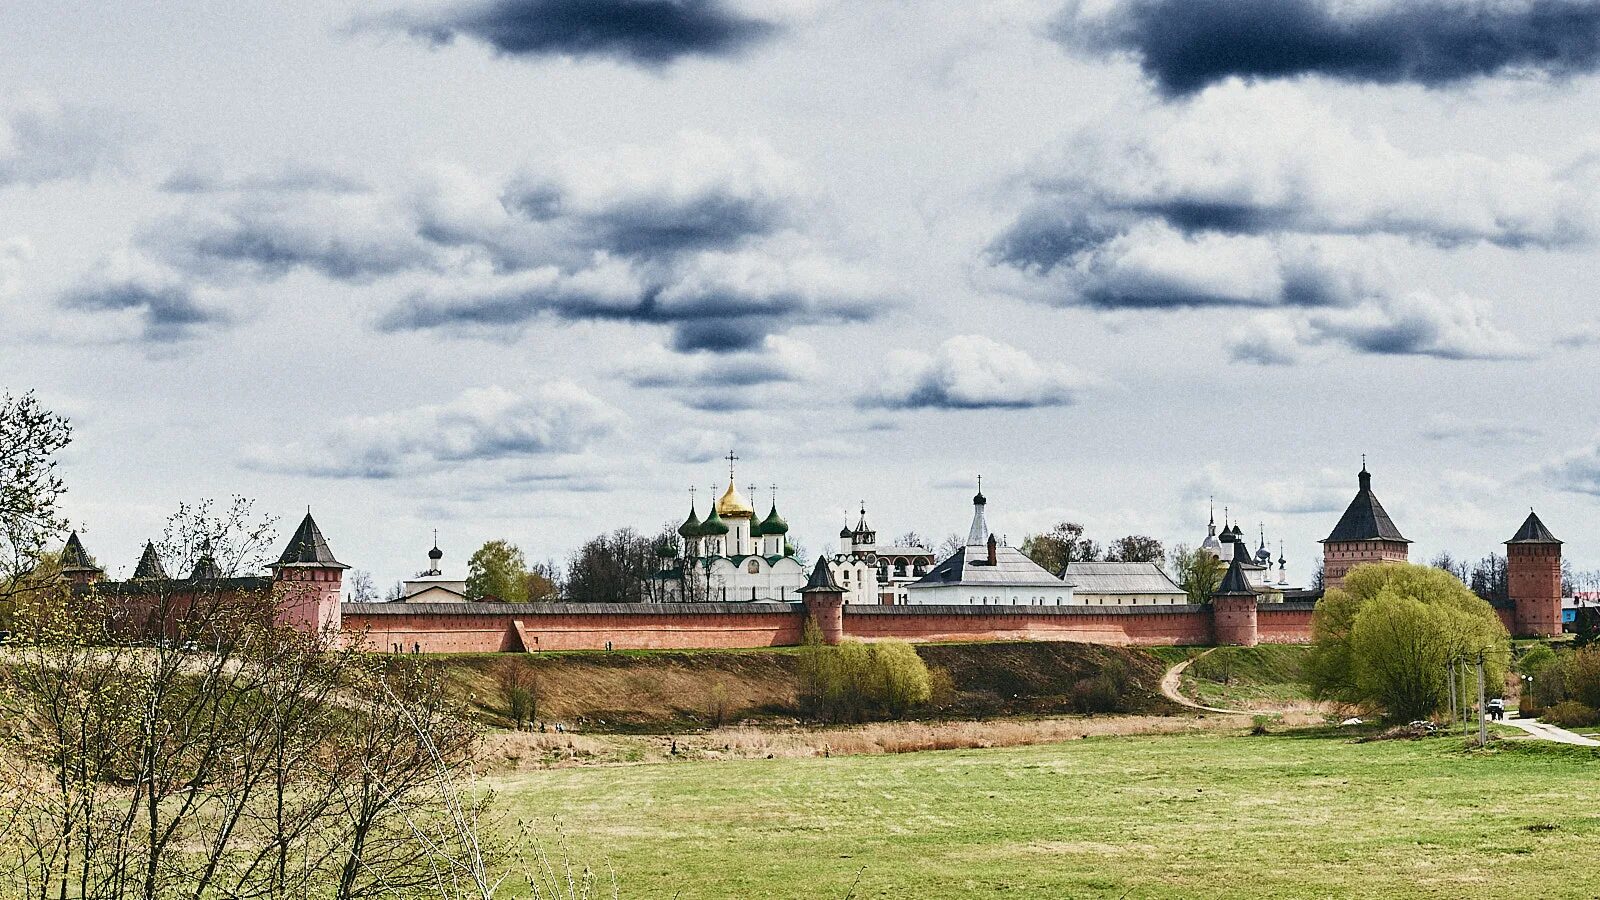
528 268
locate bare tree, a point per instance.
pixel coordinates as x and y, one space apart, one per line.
168 738
30 492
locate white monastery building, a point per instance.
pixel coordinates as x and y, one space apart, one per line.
873 574
984 573
431 585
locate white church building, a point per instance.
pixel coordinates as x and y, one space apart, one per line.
987 573
731 555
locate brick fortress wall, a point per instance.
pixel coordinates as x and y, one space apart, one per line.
494 627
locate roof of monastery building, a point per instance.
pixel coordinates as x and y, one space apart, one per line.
1120 578
969 565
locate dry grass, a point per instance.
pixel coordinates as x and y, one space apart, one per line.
521 751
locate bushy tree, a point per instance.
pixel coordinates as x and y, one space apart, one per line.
614 567
1062 544
498 571
1197 572
1136 548
1385 639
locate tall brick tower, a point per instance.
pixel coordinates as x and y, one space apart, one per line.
1533 578
308 581
1365 534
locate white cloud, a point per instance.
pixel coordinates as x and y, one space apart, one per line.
971 372
15 253
482 424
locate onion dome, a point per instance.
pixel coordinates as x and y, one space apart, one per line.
436 554
734 506
713 525
845 531
666 550
691 526
773 523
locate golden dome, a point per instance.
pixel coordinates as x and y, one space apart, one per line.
733 506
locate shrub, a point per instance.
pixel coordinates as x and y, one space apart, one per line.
1581 672
853 681
1103 693
1571 714
941 687
519 689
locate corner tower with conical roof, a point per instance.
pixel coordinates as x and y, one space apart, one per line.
1533 579
1365 535
308 580
77 565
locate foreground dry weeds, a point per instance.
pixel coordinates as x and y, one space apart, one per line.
520 751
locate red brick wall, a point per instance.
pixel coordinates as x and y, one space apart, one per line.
451 628
437 629
1284 623
1234 621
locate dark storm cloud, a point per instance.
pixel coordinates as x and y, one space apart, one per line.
169 313
724 322
1186 45
644 32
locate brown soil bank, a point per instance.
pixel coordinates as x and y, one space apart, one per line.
670 691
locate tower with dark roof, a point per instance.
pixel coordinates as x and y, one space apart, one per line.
77 565
1234 609
1365 535
1533 579
149 567
308 580
824 601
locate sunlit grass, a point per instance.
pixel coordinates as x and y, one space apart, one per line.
1195 815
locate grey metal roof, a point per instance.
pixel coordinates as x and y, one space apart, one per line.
309 548
1533 532
1120 578
969 565
1365 518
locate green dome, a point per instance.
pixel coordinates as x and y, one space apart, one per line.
713 525
666 550
756 527
774 523
691 526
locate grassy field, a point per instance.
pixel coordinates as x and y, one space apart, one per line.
1298 814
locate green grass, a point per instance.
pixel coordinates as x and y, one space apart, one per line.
1234 676
1288 815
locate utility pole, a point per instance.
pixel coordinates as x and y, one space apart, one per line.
1483 724
1450 673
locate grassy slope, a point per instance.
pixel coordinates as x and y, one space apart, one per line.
1207 815
677 690
1248 677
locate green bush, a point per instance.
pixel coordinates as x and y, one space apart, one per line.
1106 692
1571 714
855 681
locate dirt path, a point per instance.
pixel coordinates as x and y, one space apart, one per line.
1171 681
1550 732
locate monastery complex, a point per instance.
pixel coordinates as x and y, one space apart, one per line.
734 580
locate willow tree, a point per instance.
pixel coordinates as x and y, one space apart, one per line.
1386 639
